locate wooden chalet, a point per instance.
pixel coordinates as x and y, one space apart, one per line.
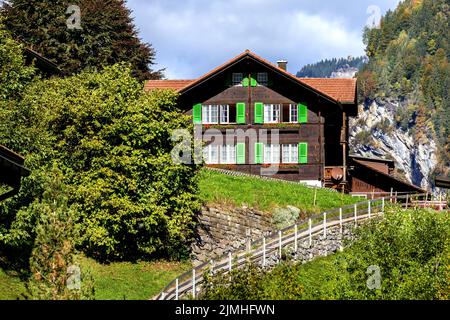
11 171
252 94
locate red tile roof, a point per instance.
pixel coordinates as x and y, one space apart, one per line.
343 90
337 90
167 84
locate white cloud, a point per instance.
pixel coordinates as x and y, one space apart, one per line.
192 37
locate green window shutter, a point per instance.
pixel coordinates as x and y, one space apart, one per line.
259 153
253 81
240 153
245 82
197 113
259 112
240 113
302 113
303 153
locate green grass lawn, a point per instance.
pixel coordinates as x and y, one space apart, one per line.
115 281
11 286
132 281
265 195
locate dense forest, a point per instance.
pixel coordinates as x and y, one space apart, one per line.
325 68
409 62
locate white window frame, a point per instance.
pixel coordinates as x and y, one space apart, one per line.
224 114
291 109
228 154
272 113
271 153
207 116
292 153
208 154
234 80
265 78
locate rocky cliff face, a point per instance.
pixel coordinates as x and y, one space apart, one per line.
376 133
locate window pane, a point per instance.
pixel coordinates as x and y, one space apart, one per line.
293 113
214 154
237 78
206 154
262 78
276 113
286 152
205 114
214 114
267 117
224 114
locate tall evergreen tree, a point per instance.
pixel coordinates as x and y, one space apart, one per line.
101 34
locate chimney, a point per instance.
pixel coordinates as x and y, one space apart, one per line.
282 64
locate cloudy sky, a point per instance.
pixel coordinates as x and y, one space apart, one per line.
194 36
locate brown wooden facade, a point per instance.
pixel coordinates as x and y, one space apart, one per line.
325 132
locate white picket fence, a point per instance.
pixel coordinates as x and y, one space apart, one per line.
258 251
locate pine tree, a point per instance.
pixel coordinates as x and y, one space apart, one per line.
54 272
102 34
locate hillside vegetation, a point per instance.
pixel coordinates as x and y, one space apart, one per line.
410 248
115 281
325 68
409 62
265 194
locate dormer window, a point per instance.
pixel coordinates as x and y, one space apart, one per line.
262 78
237 78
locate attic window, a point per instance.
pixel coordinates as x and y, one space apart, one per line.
262 78
237 78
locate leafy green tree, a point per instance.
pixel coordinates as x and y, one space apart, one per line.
14 74
54 273
113 143
106 35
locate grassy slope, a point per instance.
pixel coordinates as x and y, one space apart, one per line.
11 286
142 280
266 195
115 281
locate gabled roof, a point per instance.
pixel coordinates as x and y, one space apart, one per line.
388 176
337 90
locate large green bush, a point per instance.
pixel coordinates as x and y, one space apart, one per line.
112 142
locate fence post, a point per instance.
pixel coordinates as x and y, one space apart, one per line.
193 283
230 261
369 208
356 213
392 191
296 240
315 196
264 252
340 218
176 289
382 205
310 232
325 224
279 243
407 201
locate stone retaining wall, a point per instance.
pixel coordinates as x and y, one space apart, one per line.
222 229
